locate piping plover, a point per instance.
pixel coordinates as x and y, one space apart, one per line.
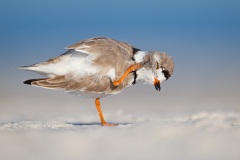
101 66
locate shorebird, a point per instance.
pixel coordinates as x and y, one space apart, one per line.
100 66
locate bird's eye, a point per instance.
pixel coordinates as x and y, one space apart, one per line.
157 66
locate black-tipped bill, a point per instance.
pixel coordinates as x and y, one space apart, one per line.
157 84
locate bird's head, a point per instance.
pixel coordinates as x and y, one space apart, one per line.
158 67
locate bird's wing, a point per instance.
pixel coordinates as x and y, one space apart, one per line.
111 54
103 45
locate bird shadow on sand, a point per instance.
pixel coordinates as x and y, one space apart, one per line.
95 124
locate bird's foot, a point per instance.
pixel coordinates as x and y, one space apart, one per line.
116 82
109 124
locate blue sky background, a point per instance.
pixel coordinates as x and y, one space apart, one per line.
203 36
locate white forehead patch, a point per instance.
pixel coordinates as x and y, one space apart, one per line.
156 57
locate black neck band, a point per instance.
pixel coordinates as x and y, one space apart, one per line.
135 77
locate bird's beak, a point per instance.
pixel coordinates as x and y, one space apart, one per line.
157 84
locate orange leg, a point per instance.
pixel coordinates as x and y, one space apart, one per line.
98 106
133 67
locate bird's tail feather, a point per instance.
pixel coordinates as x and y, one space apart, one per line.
30 81
50 83
29 68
